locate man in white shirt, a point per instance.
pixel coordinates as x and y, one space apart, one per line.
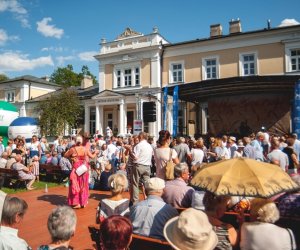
112 152
277 156
3 160
142 168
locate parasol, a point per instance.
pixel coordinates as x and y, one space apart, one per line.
243 177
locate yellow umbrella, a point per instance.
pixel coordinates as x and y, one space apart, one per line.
243 177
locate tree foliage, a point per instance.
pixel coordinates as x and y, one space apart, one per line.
67 77
58 111
3 77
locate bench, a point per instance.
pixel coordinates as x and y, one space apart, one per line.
8 175
53 172
148 243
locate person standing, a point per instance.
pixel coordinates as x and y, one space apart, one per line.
276 156
141 169
164 153
79 184
183 151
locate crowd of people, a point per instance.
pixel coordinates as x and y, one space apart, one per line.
170 209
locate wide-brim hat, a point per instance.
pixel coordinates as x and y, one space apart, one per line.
190 230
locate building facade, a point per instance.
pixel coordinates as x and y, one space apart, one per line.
129 75
21 89
229 82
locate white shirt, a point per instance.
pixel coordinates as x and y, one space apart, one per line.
9 239
143 152
260 235
197 156
111 149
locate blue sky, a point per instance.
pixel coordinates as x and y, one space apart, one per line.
37 36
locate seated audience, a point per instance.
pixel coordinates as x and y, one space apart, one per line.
65 165
24 172
289 203
115 233
94 178
104 177
13 212
11 160
197 200
3 160
261 233
54 159
215 207
176 192
149 216
116 204
191 230
61 226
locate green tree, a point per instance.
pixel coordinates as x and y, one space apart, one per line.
58 111
65 77
3 77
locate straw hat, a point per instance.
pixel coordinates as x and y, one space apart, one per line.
190 230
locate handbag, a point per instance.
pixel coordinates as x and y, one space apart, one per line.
170 167
81 169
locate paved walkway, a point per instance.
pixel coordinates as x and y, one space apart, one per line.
34 226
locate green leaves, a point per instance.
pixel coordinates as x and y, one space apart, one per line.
67 77
60 111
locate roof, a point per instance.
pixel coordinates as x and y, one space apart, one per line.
232 35
30 78
203 90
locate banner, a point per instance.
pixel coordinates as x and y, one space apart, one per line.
165 108
137 126
175 111
296 110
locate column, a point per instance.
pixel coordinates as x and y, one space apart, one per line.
97 117
158 114
121 117
101 120
86 118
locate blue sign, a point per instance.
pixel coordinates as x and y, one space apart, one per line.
175 111
296 110
165 108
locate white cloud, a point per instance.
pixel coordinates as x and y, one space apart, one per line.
4 37
14 61
49 30
87 56
55 49
20 13
62 59
288 22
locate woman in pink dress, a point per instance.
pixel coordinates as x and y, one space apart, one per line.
79 184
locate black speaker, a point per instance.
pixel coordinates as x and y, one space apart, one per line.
149 111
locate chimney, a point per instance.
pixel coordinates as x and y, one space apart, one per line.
235 26
215 30
86 82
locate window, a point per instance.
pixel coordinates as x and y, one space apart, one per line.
248 65
10 96
210 68
119 78
127 76
295 60
137 76
177 73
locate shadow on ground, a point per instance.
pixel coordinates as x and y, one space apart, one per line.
54 199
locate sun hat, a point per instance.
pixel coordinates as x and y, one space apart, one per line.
155 183
240 145
190 230
232 138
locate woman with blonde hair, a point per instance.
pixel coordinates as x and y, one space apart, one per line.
116 204
79 177
261 233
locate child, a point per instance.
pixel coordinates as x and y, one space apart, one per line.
94 179
35 167
104 177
